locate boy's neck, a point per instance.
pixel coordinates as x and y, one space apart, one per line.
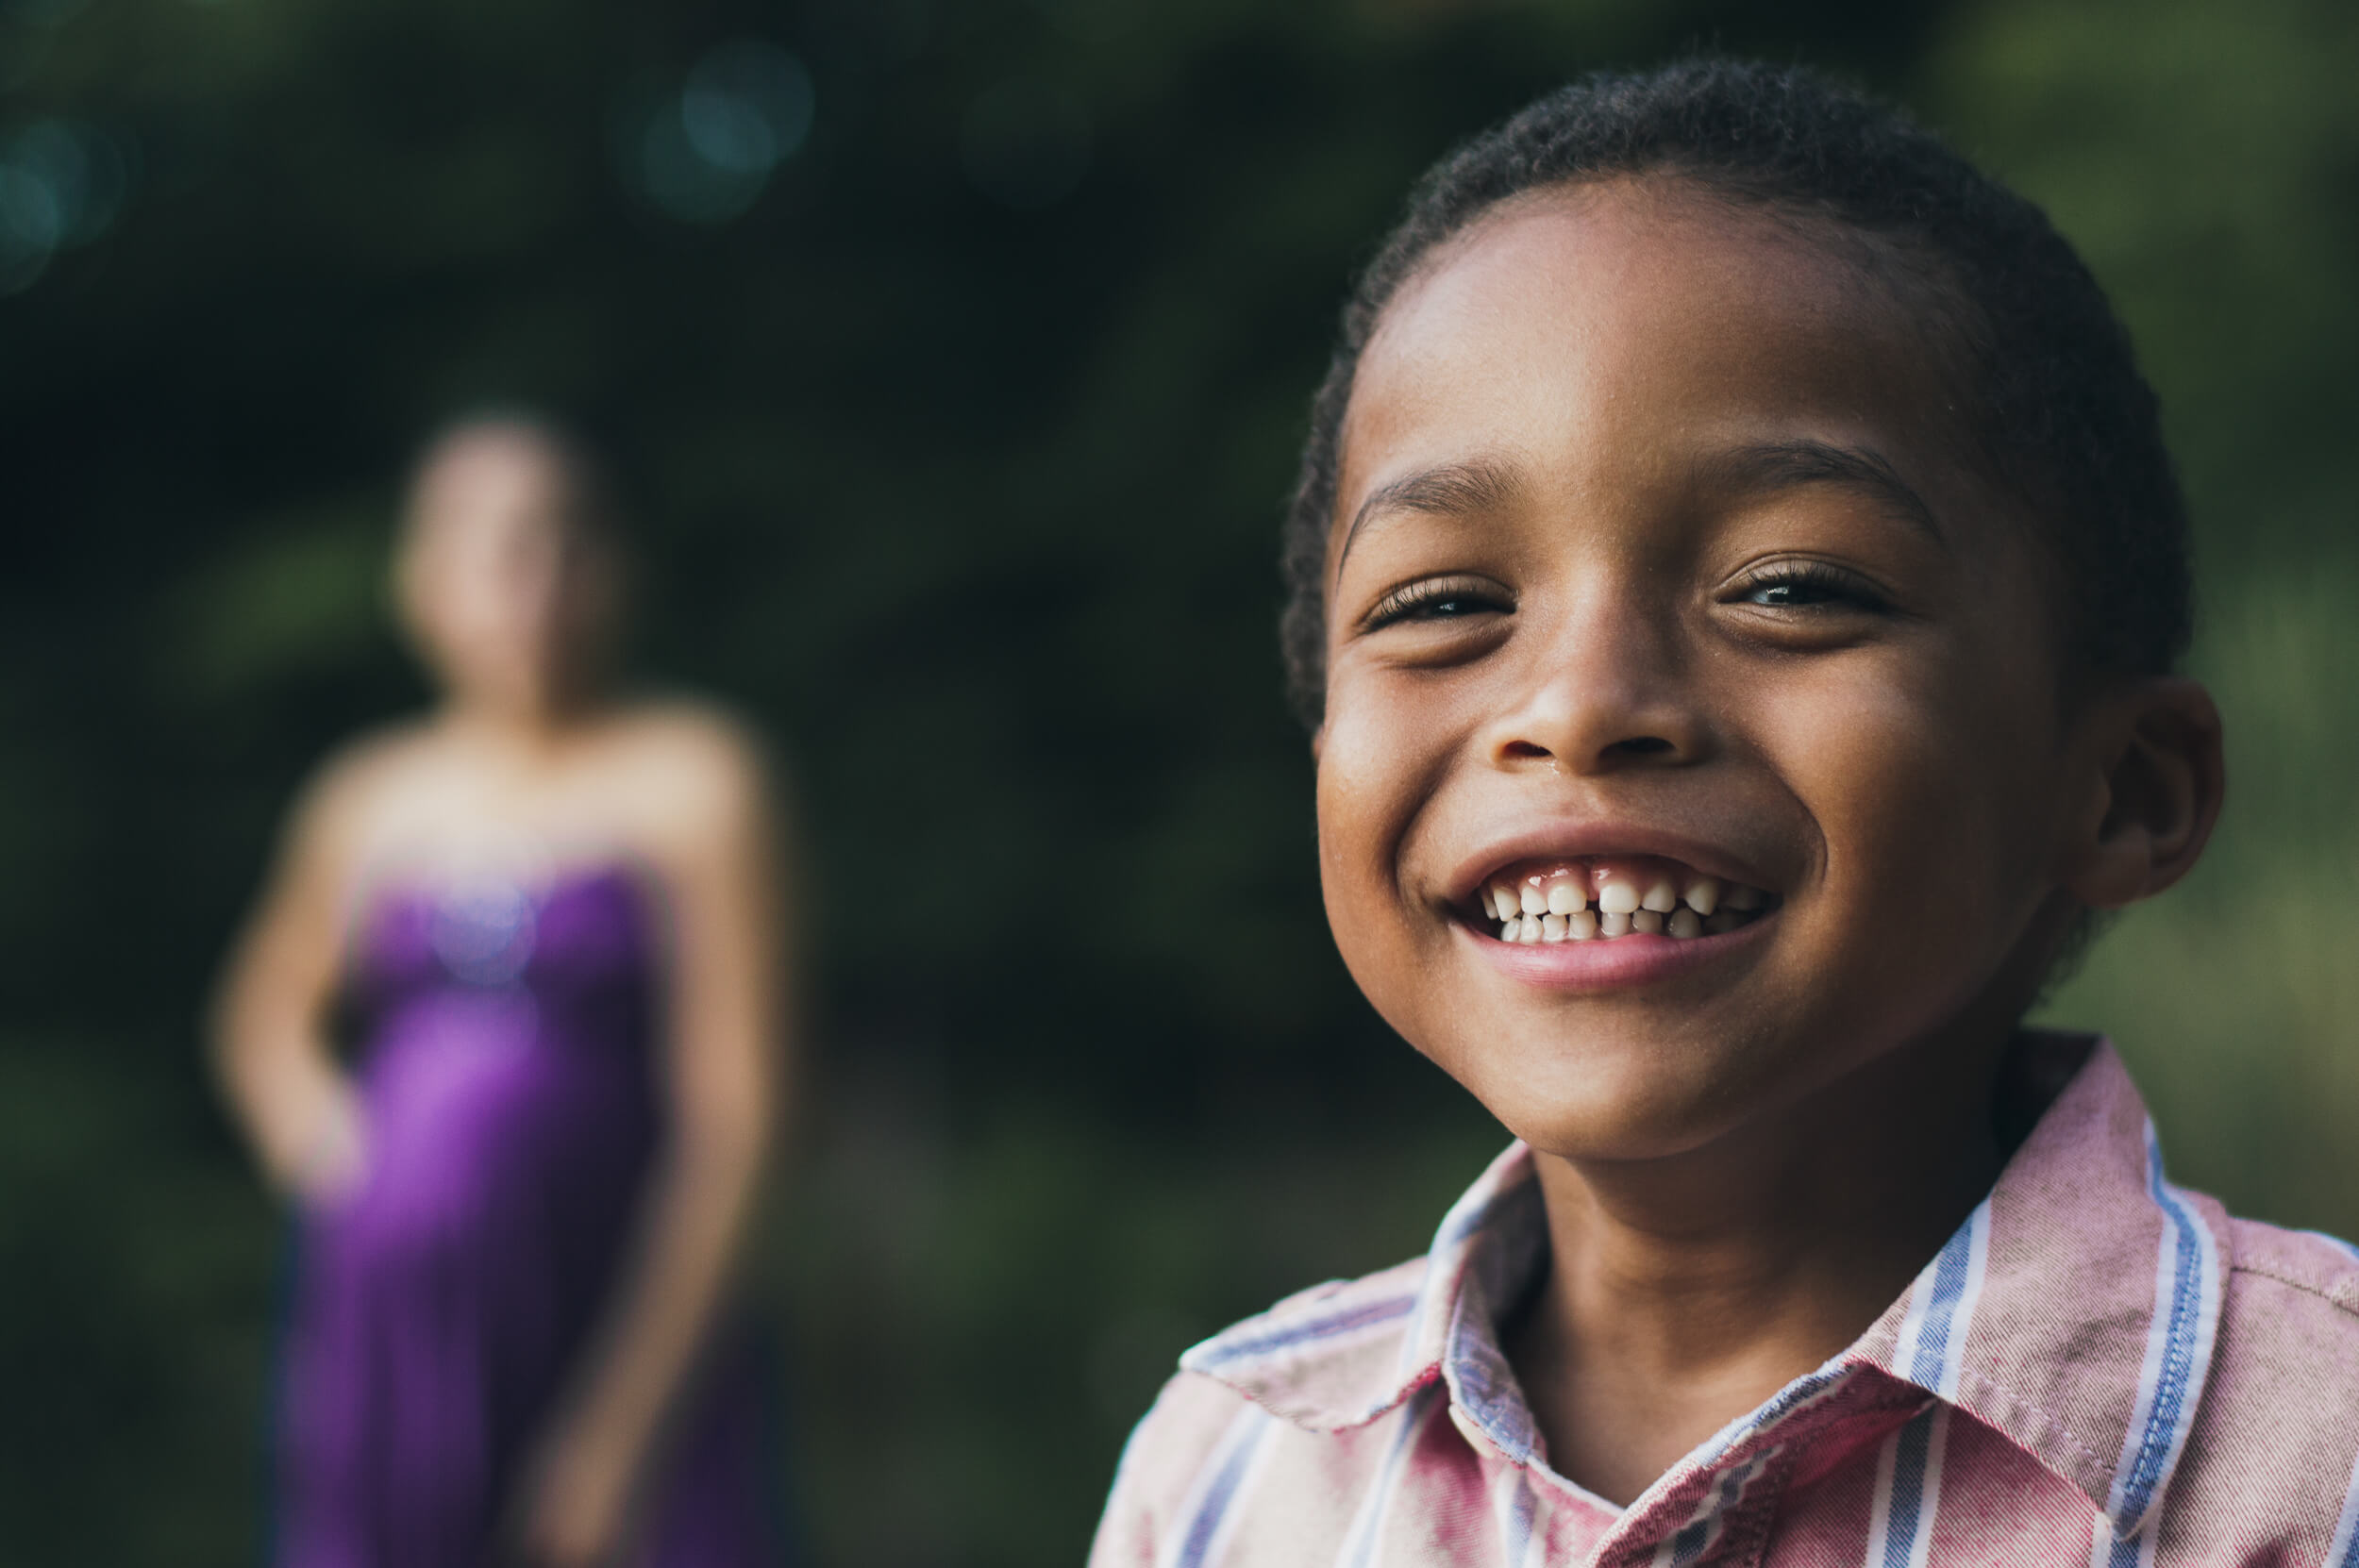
1683 1291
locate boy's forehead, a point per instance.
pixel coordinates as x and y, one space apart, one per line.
1611 328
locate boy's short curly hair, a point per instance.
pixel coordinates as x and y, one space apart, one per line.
2061 414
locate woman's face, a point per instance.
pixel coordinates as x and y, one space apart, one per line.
509 599
1656 560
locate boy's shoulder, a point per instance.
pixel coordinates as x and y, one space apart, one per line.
1326 1358
2270 1258
2288 1333
2277 1425
1325 1364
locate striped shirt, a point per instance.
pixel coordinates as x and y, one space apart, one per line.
2097 1368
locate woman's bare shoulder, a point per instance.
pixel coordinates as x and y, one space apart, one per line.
343 806
692 737
696 762
354 784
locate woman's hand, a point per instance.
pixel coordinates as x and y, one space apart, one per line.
330 1156
270 1035
572 1506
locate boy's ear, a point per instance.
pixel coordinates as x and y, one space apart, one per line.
1318 742
2159 781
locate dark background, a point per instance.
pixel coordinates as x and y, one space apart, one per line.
953 355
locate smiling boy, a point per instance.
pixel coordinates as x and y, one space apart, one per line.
1738 585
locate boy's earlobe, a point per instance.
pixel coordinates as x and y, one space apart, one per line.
2164 780
1318 741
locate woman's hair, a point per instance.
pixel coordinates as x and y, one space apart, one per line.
2058 410
592 503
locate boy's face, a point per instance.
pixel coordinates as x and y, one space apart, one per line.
1657 559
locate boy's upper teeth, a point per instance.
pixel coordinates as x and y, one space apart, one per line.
1551 901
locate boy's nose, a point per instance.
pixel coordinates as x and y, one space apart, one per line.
1604 691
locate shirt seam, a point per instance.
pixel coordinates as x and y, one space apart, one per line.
1325 1421
1762 1524
2307 1287
2051 1423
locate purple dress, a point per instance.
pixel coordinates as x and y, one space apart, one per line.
507 1076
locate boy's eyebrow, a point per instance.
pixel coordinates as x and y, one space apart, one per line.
1482 484
1775 465
1451 490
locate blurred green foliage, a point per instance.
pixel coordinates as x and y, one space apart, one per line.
958 440
2206 160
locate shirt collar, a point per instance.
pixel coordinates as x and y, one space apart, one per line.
2074 1311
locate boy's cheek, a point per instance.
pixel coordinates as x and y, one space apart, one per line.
1367 794
1935 844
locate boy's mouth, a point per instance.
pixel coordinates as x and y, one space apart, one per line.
1601 897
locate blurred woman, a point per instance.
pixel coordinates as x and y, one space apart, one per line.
552 917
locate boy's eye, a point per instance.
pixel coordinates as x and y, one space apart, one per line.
1781 593
1808 585
1449 599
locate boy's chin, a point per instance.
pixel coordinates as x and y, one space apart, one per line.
1604 1140
1604 1109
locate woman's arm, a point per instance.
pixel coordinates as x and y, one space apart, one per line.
269 1045
725 1058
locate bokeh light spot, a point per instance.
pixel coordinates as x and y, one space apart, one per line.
61 185
704 153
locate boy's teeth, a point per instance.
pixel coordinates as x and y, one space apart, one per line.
1553 903
1618 895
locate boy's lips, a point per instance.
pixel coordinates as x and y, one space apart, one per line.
1591 905
1637 958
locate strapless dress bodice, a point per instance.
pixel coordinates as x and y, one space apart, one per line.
573 958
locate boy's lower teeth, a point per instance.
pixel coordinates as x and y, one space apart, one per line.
1557 908
1589 926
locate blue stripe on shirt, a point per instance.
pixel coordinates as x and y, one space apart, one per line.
2186 1312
